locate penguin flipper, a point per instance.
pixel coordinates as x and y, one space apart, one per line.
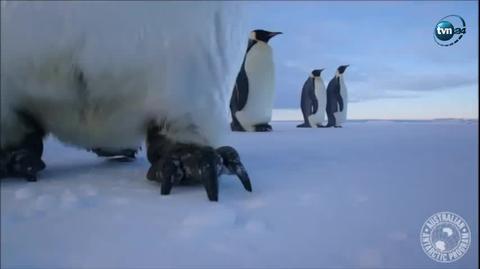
311 94
314 105
340 101
241 84
338 95
240 90
235 125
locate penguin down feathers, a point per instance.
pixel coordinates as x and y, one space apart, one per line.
93 73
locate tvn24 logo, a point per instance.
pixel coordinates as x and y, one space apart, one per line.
449 30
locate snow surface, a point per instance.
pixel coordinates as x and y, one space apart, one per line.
350 197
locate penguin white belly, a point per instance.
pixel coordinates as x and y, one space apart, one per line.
93 85
341 116
321 94
104 124
261 85
112 116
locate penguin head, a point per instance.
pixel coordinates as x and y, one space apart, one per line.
341 69
317 72
262 35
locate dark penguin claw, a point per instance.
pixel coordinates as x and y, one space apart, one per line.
21 163
189 163
233 165
166 171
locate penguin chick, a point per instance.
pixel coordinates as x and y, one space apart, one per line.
104 76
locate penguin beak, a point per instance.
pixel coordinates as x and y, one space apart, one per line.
272 34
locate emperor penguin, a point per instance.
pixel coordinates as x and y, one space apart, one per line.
313 100
106 77
251 103
337 99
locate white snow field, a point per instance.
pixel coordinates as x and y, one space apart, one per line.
344 198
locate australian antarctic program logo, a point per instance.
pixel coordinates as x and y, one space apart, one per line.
445 237
449 30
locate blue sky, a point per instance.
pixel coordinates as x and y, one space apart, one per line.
397 70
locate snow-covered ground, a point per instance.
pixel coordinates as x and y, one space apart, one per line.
351 197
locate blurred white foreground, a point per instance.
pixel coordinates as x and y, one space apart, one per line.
351 197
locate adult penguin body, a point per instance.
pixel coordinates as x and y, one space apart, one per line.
252 98
313 100
337 99
72 73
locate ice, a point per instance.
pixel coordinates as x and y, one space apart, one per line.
350 197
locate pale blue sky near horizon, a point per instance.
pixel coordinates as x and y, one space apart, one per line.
397 70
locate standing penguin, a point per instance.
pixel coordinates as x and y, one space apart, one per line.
313 100
252 98
337 99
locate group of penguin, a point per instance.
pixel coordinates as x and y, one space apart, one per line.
251 103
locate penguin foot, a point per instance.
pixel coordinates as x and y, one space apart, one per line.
187 163
263 127
338 126
303 125
120 155
20 163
